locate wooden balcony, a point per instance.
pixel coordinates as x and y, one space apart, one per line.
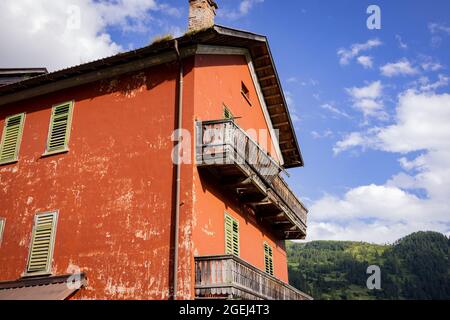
229 277
242 167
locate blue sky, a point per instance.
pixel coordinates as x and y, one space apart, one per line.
370 107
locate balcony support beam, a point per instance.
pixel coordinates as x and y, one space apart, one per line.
246 170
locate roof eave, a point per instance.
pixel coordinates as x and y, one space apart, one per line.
186 40
260 38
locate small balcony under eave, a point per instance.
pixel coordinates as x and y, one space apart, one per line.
241 167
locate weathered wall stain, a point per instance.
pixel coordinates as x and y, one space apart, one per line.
114 190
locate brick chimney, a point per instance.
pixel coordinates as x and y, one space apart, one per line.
201 14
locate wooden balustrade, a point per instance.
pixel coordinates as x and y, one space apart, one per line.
229 277
285 193
217 137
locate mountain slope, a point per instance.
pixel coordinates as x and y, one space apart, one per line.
415 267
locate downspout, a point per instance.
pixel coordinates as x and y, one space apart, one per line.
178 171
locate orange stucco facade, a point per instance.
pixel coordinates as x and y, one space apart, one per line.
114 188
218 82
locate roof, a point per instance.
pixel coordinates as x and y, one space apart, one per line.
23 71
11 75
257 45
43 288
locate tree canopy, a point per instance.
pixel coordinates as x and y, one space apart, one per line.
415 267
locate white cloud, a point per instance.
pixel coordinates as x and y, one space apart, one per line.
368 202
246 5
401 44
368 100
346 55
303 83
377 232
381 213
310 82
431 66
325 134
131 15
295 117
334 110
63 33
401 67
354 139
438 28
243 9
425 84
421 124
371 91
365 61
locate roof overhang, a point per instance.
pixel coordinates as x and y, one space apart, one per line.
12 75
162 52
42 288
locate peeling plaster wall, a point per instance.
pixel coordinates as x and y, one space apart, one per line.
218 81
113 189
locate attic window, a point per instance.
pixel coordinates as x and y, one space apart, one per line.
59 131
12 136
245 92
42 242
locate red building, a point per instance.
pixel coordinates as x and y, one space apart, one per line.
99 200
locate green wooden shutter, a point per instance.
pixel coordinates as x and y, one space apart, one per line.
268 259
59 131
231 235
12 136
41 250
227 113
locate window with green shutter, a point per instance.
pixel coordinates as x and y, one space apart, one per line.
231 235
11 138
2 227
268 259
59 131
227 113
42 241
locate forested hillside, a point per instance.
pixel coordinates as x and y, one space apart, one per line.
415 267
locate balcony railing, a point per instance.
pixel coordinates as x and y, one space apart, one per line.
285 193
218 137
229 277
222 144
